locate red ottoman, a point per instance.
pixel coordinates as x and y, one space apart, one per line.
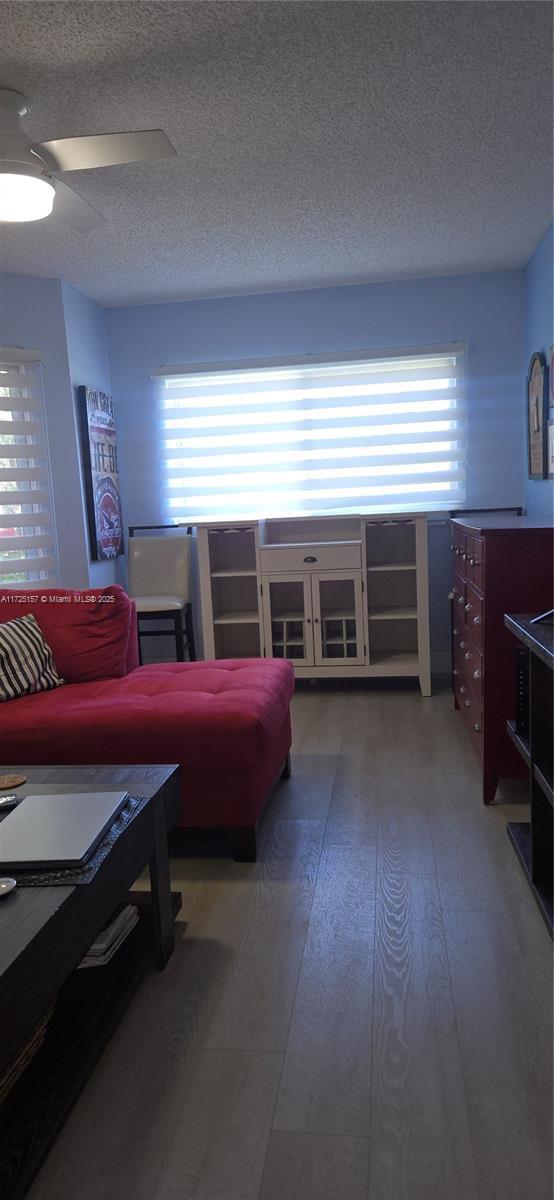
226 722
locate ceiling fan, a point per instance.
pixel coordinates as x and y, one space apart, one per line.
29 187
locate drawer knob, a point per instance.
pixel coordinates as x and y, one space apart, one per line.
468 606
472 562
476 562
462 689
464 555
462 645
467 703
310 558
455 671
477 673
467 655
460 599
477 727
477 620
451 546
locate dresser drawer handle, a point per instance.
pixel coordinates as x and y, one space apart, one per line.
467 655
468 607
462 690
462 645
310 558
477 727
457 551
476 562
477 673
467 703
460 599
451 545
472 562
477 620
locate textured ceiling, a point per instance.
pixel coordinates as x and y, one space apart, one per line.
318 143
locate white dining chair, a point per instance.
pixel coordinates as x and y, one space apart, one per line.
160 584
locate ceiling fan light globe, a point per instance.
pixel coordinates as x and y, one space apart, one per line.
24 197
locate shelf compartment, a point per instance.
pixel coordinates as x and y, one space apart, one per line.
545 786
399 662
392 566
237 641
400 613
232 550
234 573
234 598
390 544
519 833
518 741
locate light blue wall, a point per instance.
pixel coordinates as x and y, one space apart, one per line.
32 316
87 350
539 336
485 311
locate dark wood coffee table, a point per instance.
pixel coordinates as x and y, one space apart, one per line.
44 933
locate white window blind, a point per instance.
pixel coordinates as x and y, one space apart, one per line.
359 435
27 535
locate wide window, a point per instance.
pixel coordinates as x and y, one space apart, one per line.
343 435
27 537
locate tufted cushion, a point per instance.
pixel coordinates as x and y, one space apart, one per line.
88 631
225 713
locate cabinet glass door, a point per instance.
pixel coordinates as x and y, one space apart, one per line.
288 618
338 619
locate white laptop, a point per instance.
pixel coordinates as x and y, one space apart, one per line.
60 830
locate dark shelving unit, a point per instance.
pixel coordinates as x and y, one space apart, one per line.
532 840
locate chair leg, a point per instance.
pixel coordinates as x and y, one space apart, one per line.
179 647
189 632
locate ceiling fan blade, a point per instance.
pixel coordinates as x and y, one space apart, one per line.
105 149
70 208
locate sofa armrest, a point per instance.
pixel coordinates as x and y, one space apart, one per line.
132 660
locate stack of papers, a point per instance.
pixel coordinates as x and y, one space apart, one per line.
108 942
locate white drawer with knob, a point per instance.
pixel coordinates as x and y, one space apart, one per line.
333 556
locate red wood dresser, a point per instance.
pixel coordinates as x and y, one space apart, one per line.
501 564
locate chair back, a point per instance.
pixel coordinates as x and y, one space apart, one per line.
160 566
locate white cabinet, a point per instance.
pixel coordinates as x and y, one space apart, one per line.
314 619
337 595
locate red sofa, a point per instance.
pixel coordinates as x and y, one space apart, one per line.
226 722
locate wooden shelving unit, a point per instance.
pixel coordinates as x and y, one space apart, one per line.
396 613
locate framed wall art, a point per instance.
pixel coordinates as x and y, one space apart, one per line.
101 473
537 416
550 447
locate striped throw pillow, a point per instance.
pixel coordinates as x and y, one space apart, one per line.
26 663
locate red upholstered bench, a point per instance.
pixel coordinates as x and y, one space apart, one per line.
226 722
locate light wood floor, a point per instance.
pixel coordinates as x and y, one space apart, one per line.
365 1013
